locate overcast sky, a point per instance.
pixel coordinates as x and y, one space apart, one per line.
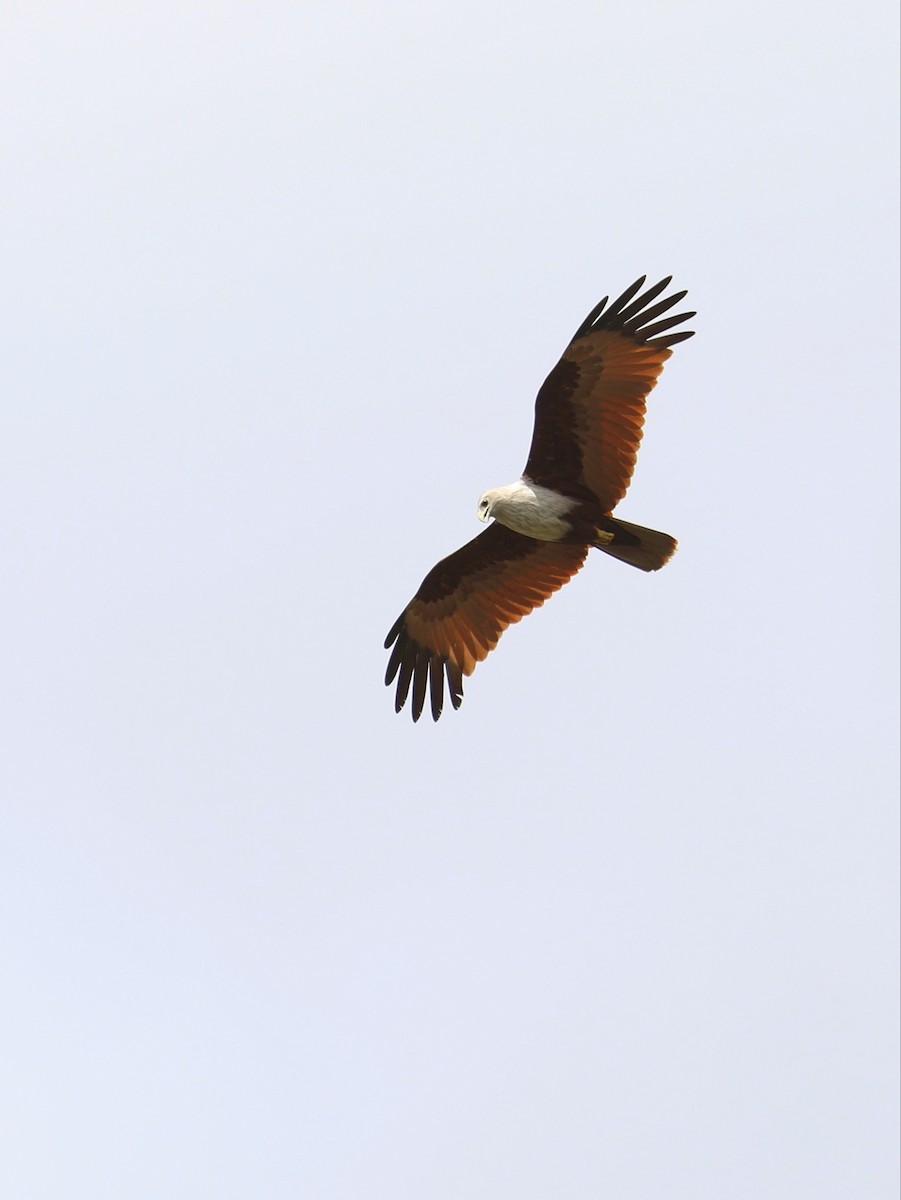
280 283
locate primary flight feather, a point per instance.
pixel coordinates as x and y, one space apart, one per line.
588 423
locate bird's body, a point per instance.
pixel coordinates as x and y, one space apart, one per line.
529 509
588 423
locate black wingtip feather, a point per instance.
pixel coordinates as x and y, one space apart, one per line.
586 325
394 631
639 320
420 678
408 661
621 301
454 683
651 294
661 326
674 338
394 663
436 686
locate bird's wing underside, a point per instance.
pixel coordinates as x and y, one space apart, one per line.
590 410
463 606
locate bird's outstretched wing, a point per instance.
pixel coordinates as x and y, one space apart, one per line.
463 606
590 410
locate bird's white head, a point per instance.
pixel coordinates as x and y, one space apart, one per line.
486 501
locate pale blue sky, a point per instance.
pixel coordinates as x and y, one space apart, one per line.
280 284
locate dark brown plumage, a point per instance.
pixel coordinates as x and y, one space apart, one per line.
589 416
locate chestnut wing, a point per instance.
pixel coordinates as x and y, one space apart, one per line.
590 410
463 606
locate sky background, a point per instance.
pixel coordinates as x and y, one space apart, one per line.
279 285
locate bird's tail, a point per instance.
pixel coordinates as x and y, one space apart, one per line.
633 544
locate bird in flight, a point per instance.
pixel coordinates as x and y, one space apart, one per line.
588 424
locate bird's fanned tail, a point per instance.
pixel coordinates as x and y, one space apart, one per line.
647 549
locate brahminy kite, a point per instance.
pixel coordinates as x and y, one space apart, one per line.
588 424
